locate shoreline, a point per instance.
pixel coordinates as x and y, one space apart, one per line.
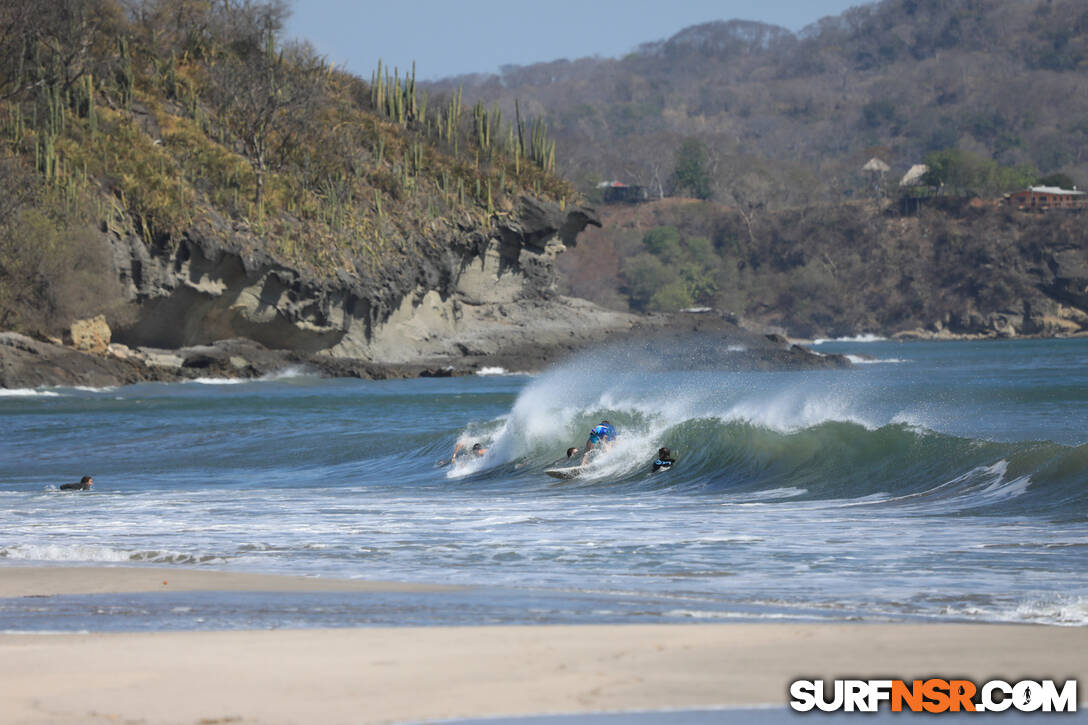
413 673
30 580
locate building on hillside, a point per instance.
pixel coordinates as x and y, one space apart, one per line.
1042 198
876 166
876 170
613 192
914 175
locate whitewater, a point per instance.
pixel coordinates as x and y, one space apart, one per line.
939 481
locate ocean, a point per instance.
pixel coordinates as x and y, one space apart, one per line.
931 482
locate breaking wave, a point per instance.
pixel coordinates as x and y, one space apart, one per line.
817 442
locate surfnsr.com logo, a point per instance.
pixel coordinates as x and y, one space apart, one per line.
933 695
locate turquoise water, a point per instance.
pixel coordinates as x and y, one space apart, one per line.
934 481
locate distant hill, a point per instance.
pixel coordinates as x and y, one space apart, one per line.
772 163
782 119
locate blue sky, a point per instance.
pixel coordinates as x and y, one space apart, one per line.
451 37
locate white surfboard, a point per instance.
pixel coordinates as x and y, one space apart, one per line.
565 473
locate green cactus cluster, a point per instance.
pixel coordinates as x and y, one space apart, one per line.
396 99
126 78
486 125
393 97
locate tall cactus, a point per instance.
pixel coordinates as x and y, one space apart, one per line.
125 76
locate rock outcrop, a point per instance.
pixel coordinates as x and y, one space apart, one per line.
210 304
89 335
470 291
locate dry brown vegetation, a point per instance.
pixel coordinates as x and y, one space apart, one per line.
162 118
835 270
789 119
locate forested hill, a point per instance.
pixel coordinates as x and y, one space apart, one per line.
193 174
783 119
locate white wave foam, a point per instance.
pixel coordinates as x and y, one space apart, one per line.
774 494
790 411
56 552
859 360
287 373
27 393
704 614
497 370
1002 490
1072 611
1062 610
864 337
914 422
92 553
981 486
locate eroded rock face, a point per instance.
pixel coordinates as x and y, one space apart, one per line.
204 288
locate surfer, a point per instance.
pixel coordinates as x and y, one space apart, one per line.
84 484
601 437
566 460
664 460
477 450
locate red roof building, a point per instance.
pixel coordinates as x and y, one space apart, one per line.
1049 197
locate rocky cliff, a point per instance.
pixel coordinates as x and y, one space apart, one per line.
469 290
212 302
215 306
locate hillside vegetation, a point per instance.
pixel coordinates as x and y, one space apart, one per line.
754 115
166 119
751 142
959 268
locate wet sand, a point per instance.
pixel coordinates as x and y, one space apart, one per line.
27 581
420 673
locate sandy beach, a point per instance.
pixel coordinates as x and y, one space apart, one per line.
420 673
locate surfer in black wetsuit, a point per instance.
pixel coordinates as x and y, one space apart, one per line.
84 484
664 460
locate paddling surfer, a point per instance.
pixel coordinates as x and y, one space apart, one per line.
84 484
477 450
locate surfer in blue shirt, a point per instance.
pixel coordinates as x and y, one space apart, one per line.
601 437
